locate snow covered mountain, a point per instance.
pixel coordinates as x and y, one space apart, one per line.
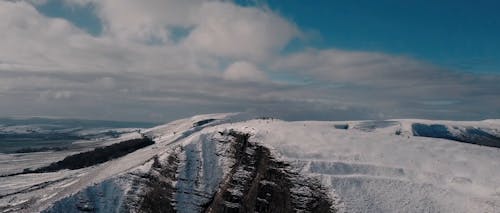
230 163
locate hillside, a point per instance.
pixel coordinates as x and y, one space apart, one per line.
230 163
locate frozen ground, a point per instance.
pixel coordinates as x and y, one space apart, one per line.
368 166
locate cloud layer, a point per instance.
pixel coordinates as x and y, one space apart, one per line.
162 59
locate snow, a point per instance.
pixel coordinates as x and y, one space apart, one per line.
374 170
201 170
370 166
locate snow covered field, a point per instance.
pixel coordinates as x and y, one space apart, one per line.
366 166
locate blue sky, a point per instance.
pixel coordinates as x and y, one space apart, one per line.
83 17
462 35
156 60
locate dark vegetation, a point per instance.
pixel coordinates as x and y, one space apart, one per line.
467 135
203 122
96 156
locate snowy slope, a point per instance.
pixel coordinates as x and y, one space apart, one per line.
379 171
364 166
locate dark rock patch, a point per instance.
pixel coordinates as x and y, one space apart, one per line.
341 126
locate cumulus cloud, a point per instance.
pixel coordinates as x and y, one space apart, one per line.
144 21
228 30
220 28
244 71
228 59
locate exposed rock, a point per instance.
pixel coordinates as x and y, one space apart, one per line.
260 183
159 186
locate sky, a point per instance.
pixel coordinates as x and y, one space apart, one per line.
159 60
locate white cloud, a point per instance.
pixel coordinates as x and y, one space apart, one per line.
145 21
356 66
138 37
227 30
219 28
244 71
26 37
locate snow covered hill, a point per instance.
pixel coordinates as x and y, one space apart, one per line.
231 163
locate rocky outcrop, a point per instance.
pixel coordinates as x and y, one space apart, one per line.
158 196
260 183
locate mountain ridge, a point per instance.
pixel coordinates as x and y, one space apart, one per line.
367 166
